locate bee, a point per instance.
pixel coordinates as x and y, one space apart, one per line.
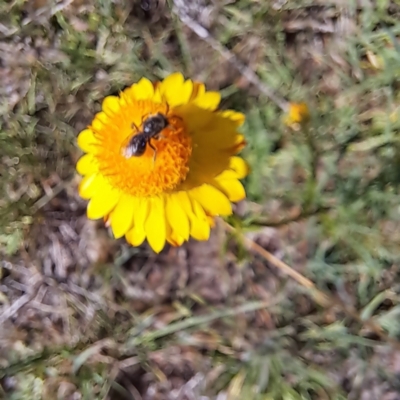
151 129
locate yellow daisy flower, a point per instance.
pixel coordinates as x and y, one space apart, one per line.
161 162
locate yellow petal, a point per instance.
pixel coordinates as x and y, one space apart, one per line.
197 119
103 117
211 221
143 90
87 165
184 96
122 216
171 83
240 143
174 238
89 185
198 89
155 224
238 117
180 94
209 129
135 236
176 90
176 216
86 140
238 169
185 202
212 200
213 138
111 105
141 213
103 201
208 100
157 97
97 124
126 96
199 225
233 189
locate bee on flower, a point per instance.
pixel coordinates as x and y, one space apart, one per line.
161 162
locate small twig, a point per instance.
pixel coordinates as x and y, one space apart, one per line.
52 10
132 389
200 320
186 57
128 362
18 304
288 220
312 145
48 197
247 72
26 363
323 299
72 288
92 351
320 297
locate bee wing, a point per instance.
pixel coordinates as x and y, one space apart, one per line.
127 147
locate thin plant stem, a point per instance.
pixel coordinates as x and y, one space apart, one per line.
323 299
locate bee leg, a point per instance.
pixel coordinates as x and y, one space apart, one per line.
133 125
155 152
146 116
159 136
170 126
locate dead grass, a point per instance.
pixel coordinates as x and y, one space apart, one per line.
83 316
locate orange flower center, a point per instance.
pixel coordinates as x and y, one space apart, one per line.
163 160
